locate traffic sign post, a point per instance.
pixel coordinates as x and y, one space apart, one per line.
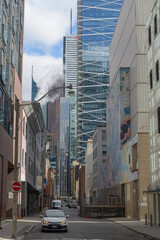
16 186
15 175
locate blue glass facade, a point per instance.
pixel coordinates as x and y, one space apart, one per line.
96 23
34 90
11 45
34 94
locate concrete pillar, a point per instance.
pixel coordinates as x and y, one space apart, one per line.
153 211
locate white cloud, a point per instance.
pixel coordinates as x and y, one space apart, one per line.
44 71
45 24
47 21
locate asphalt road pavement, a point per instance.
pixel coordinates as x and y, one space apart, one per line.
80 228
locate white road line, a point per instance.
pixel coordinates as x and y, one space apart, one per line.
90 222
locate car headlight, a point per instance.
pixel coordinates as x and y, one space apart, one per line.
63 222
45 222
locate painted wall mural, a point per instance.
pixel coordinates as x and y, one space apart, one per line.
125 131
118 125
113 135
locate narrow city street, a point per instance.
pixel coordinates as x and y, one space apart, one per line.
80 228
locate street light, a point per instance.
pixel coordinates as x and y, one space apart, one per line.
15 194
65 174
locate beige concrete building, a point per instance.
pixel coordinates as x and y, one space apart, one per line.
153 47
89 171
128 157
99 163
33 147
74 177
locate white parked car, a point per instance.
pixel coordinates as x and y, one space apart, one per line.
56 204
72 203
54 220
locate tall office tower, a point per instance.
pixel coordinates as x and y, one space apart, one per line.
34 92
96 22
53 125
70 61
70 77
11 53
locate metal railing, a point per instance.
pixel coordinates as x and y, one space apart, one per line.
108 201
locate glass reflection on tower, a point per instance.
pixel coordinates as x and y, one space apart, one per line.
96 23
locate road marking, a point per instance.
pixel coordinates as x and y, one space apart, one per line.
90 222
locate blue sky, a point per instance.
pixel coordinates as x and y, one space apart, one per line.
45 24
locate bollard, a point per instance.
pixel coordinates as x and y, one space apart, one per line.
151 220
145 218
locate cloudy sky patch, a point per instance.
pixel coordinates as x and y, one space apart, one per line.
45 24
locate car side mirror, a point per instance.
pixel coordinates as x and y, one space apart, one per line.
67 216
41 216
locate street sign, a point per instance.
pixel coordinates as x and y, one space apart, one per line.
10 195
16 186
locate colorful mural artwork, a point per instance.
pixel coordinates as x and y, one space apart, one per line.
118 125
125 132
113 135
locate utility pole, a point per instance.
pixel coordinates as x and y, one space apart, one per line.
15 175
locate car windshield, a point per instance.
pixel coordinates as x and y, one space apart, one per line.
56 204
54 214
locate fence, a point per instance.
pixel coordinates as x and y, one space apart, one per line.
106 207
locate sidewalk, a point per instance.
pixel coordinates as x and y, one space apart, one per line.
153 232
24 225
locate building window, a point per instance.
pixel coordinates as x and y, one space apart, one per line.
155 24
151 79
95 153
157 71
149 35
158 112
22 157
25 159
103 135
26 130
23 126
104 151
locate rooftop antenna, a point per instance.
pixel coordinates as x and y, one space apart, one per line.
71 21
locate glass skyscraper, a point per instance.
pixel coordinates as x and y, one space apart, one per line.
96 23
34 92
70 77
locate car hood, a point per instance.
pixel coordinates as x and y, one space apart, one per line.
54 219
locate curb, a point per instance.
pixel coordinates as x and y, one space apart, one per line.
23 237
143 234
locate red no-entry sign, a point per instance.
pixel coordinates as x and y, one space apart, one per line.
16 186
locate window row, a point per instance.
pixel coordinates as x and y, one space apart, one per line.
150 30
156 73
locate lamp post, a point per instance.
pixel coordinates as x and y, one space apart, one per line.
15 194
67 173
65 177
